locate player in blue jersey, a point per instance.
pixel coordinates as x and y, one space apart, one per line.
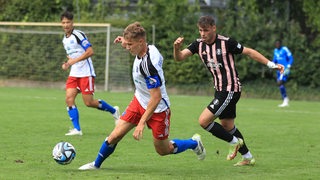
282 55
81 76
150 105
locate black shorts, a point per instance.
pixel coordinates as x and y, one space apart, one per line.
224 104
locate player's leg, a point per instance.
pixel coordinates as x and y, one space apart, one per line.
109 144
87 88
129 120
160 125
281 80
247 158
222 106
71 94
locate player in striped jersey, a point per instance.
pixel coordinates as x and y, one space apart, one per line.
217 53
81 76
150 105
282 55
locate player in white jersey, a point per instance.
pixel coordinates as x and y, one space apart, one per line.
150 104
81 76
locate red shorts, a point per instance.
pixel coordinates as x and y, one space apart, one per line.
159 123
84 84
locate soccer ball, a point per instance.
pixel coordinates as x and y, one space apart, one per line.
63 153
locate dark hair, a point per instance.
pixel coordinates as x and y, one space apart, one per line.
67 15
205 21
278 40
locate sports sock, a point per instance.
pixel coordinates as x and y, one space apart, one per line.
235 132
283 91
105 151
217 130
247 155
182 145
105 106
74 116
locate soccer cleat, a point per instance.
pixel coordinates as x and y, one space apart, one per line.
89 166
285 102
234 149
73 132
246 162
199 150
116 115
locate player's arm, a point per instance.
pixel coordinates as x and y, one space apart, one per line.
180 55
88 53
121 40
255 55
155 98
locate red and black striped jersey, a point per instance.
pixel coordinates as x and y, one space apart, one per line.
218 57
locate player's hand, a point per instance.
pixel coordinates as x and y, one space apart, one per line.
118 39
138 132
178 42
280 68
272 65
65 66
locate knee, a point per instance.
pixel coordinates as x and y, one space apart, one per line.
161 152
203 122
90 103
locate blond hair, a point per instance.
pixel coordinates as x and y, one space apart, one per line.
134 31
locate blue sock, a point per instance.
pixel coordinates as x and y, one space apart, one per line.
283 91
182 145
105 151
105 106
74 116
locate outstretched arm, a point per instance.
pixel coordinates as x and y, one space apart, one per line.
255 55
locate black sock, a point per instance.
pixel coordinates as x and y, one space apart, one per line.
235 132
217 130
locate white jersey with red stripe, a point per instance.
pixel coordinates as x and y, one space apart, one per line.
147 73
75 45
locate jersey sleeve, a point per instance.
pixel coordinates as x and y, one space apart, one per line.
234 46
194 47
150 73
82 39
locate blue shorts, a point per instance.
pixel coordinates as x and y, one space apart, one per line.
224 104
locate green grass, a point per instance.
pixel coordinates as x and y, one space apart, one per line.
285 142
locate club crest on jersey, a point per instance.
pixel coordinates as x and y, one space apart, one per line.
213 65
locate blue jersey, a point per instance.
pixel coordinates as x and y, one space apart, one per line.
283 56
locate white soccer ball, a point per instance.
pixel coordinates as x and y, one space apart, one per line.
63 153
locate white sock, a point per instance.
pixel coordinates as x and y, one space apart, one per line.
234 140
248 155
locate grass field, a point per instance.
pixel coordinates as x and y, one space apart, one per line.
285 142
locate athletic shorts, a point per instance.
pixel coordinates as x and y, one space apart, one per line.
159 123
224 104
84 84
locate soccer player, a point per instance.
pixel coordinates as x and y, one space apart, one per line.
217 53
81 76
282 55
150 105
